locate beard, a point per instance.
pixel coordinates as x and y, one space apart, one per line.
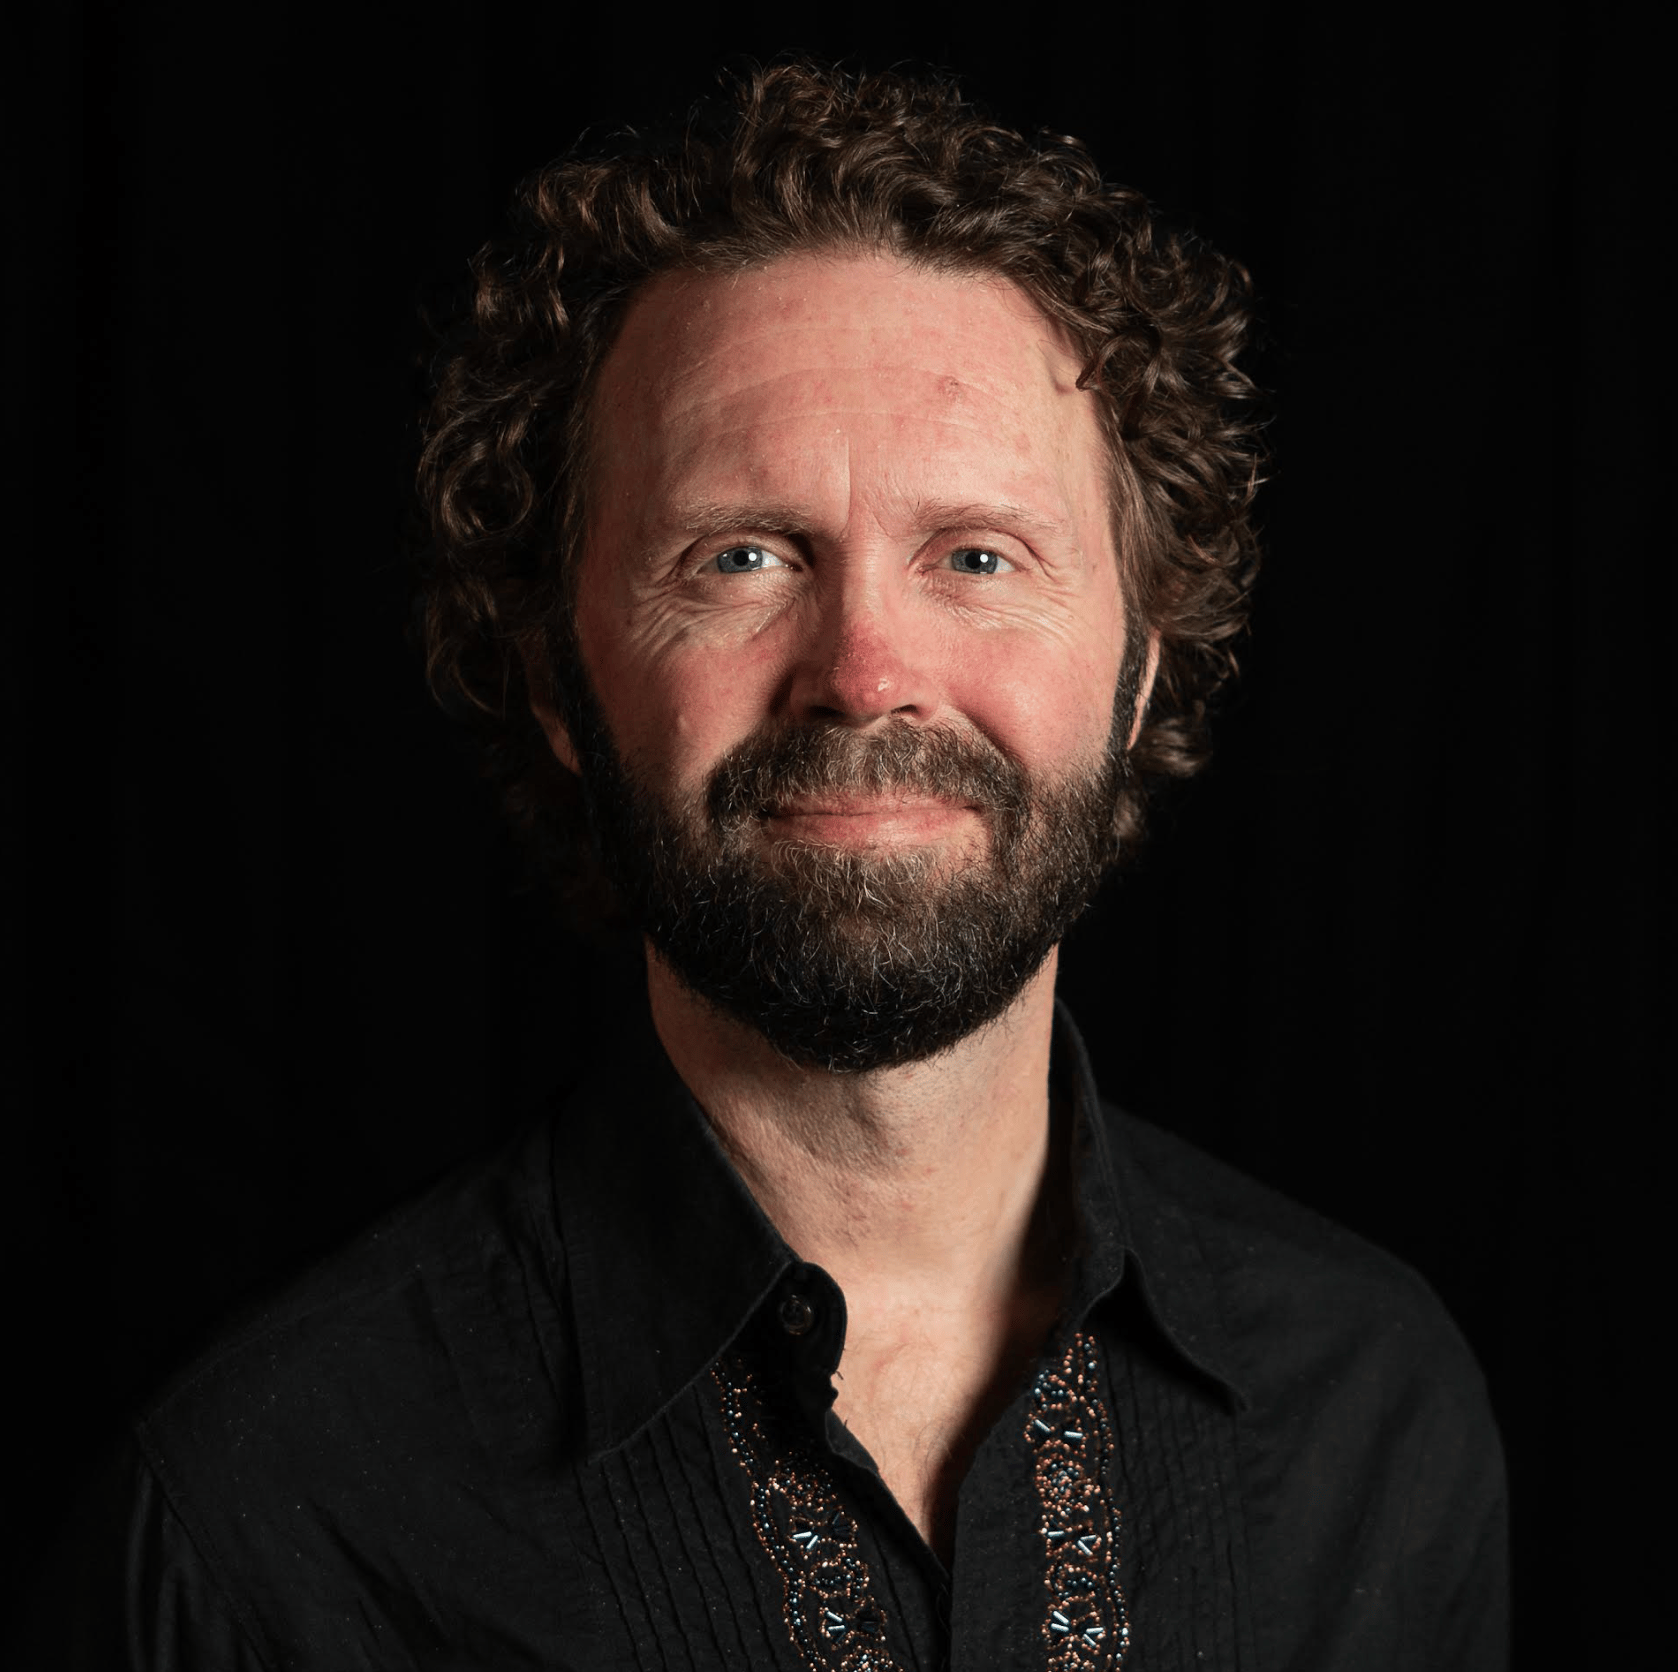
854 959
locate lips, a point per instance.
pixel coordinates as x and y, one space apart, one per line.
835 779
868 821
861 804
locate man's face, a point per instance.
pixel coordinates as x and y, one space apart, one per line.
852 626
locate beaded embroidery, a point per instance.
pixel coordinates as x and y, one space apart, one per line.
826 1595
1087 1628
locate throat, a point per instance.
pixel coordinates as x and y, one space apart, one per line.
921 1400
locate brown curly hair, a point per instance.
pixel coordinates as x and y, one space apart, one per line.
802 159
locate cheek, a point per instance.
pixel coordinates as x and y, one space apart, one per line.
1049 704
677 703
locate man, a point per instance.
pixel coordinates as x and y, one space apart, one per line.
841 514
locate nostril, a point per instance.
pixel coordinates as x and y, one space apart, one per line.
862 670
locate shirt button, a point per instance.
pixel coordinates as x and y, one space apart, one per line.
796 1314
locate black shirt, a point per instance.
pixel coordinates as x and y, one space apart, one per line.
572 1409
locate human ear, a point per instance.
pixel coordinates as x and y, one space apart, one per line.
557 734
1144 687
537 683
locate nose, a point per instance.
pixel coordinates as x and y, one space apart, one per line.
866 659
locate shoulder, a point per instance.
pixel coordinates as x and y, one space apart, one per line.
1371 1462
396 1292
1288 1281
371 1416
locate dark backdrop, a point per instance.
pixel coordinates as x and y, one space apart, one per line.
1398 954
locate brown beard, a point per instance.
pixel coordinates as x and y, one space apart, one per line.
848 959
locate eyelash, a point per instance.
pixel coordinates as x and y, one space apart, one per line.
751 569
720 567
1003 565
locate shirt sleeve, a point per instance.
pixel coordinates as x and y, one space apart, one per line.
1453 1568
129 1591
1383 1512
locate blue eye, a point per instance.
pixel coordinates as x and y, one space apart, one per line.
743 560
973 560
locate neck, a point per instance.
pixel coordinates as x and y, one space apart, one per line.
927 1193
896 1180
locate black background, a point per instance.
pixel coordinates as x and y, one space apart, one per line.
1400 954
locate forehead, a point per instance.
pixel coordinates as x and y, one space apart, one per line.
835 311
901 368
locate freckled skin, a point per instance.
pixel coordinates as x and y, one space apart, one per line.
856 422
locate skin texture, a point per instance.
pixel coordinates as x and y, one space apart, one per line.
908 496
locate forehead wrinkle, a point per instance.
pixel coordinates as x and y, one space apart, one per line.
739 430
688 389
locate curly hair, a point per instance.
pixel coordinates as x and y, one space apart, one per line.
805 159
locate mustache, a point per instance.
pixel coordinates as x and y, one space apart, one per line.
777 763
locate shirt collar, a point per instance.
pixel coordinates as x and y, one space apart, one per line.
667 1253
1134 1232
669 1257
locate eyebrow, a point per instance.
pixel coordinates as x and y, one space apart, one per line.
703 519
